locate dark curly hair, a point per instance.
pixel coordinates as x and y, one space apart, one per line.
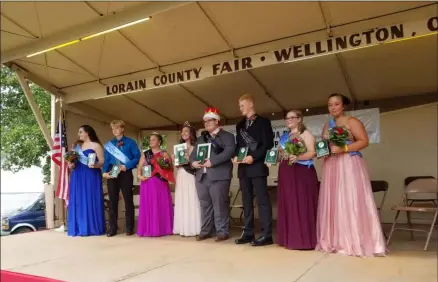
192 135
345 100
91 134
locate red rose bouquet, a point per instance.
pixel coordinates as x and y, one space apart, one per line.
71 157
295 147
163 163
338 136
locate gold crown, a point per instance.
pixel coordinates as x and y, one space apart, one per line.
187 124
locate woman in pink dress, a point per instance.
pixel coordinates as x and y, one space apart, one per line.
155 215
348 222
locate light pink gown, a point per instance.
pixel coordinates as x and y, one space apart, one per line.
348 220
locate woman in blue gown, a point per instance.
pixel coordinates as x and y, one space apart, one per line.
86 215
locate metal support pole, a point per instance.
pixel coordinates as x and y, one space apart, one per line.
34 107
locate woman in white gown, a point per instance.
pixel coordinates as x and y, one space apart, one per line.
187 214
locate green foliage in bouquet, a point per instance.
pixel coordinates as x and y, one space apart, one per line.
163 163
338 136
295 147
71 157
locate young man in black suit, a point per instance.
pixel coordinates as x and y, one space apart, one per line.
254 132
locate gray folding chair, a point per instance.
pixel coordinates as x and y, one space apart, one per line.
417 188
417 198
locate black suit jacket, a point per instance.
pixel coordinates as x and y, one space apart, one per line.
261 132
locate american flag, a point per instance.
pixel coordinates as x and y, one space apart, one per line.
59 149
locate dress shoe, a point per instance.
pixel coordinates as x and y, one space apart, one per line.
244 240
129 233
262 241
202 237
111 234
221 238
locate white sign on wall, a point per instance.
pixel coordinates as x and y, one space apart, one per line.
370 118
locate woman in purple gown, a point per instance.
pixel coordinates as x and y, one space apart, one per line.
297 188
155 215
86 215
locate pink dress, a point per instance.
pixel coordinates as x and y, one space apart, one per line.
348 220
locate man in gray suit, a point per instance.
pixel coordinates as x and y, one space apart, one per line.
213 177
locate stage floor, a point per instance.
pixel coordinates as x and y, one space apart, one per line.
54 255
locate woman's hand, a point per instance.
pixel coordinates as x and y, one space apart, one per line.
106 175
268 165
336 149
91 166
285 156
142 178
292 159
71 165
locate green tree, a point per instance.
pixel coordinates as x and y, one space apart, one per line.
22 142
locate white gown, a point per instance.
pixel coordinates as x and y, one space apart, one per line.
187 213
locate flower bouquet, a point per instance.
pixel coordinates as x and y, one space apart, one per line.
295 147
163 163
338 136
71 157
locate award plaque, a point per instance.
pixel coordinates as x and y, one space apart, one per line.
271 157
243 152
180 152
146 171
322 149
115 170
203 152
91 159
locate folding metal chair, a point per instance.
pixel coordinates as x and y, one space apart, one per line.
416 198
233 206
415 188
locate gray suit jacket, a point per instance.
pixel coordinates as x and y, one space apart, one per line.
221 164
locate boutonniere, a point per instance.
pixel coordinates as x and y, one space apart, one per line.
252 119
120 144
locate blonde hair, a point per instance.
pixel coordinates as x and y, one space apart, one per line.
246 97
117 123
299 114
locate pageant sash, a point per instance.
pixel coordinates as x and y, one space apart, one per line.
82 158
115 152
249 141
214 145
283 140
332 124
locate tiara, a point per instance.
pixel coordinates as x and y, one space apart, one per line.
187 124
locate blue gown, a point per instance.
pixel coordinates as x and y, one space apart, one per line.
86 214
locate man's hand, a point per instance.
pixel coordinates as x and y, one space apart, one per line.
122 168
196 165
235 160
248 160
106 175
207 163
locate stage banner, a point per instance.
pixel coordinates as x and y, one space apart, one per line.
369 117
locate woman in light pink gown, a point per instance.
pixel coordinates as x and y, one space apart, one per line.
348 221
